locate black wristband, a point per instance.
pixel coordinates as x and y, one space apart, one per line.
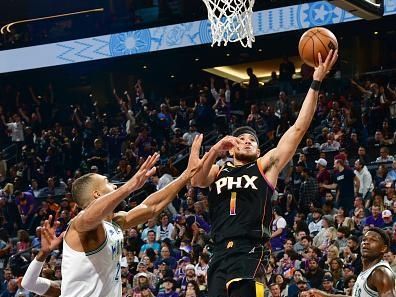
315 85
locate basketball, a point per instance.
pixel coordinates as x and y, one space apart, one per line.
314 41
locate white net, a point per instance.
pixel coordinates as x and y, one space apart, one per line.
231 21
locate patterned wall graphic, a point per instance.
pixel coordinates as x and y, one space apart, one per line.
265 22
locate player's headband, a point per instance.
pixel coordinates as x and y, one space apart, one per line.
245 130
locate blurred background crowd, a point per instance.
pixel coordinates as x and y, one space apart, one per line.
341 181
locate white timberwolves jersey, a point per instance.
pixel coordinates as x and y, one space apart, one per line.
96 273
361 289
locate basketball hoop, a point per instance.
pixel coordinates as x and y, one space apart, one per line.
231 21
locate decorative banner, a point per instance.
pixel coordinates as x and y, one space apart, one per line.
265 22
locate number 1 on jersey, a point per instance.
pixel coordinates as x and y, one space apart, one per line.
233 204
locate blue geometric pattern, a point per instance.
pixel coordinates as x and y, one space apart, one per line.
272 21
130 43
319 14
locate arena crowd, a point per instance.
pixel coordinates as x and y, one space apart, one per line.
342 181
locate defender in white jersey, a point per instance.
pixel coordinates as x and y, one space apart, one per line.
93 242
377 278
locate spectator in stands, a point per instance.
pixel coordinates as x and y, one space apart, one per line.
346 183
315 273
190 276
331 145
203 114
390 257
316 225
25 204
323 176
254 119
165 229
151 244
279 230
189 136
286 72
311 148
375 219
391 176
182 115
151 226
253 84
309 190
165 257
388 221
328 285
365 179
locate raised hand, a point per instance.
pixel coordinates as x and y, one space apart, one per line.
49 240
226 143
194 162
145 171
324 67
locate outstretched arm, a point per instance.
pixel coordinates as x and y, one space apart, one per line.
156 202
276 159
32 280
102 207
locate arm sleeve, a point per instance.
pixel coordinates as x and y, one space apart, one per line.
32 282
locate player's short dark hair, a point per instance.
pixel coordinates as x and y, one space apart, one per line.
247 130
79 189
307 238
383 235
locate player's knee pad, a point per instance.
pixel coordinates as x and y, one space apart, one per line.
246 288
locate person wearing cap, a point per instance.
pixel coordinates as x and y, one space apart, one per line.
302 286
346 183
190 276
316 225
142 268
169 288
323 175
181 267
142 282
240 197
388 220
94 169
328 285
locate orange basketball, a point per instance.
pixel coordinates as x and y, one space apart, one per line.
316 40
